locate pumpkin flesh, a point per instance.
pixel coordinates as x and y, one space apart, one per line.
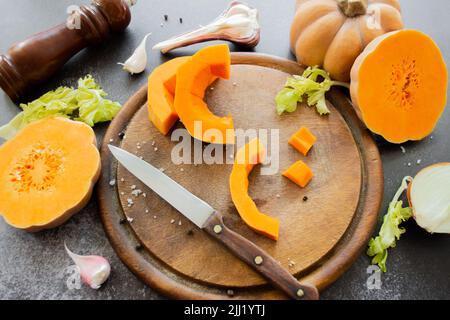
161 91
47 173
399 86
246 158
303 140
299 173
193 78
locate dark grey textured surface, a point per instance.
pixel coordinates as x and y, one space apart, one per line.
32 266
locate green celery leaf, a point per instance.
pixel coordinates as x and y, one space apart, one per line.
390 231
87 104
307 84
287 100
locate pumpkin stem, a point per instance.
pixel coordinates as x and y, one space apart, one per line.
353 8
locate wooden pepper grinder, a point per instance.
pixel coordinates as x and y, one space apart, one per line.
36 59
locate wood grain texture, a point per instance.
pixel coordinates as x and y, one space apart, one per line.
322 236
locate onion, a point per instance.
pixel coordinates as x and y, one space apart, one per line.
429 198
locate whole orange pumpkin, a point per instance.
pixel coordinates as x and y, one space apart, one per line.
332 33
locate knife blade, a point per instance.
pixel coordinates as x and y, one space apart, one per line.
192 207
205 217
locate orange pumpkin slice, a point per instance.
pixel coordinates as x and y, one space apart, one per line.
399 85
193 77
47 173
299 173
303 140
161 91
246 158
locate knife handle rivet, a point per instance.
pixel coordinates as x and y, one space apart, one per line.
217 228
300 293
259 260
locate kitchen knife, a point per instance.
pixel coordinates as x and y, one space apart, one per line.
205 217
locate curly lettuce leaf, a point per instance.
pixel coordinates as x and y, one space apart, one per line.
87 103
390 231
307 84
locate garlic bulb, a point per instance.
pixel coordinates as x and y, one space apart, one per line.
238 24
94 270
138 60
429 197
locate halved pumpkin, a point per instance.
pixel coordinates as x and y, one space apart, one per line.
193 77
399 85
246 158
47 173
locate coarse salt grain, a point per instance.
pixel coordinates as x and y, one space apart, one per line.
136 192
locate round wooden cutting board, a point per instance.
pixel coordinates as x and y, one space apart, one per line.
323 227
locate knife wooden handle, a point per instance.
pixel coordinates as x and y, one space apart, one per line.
259 260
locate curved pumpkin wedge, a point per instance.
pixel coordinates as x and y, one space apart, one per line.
193 77
246 158
399 85
47 173
161 90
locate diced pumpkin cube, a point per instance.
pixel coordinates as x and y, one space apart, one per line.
299 173
303 140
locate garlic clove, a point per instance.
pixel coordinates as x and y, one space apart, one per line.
131 3
239 23
138 61
94 270
429 197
